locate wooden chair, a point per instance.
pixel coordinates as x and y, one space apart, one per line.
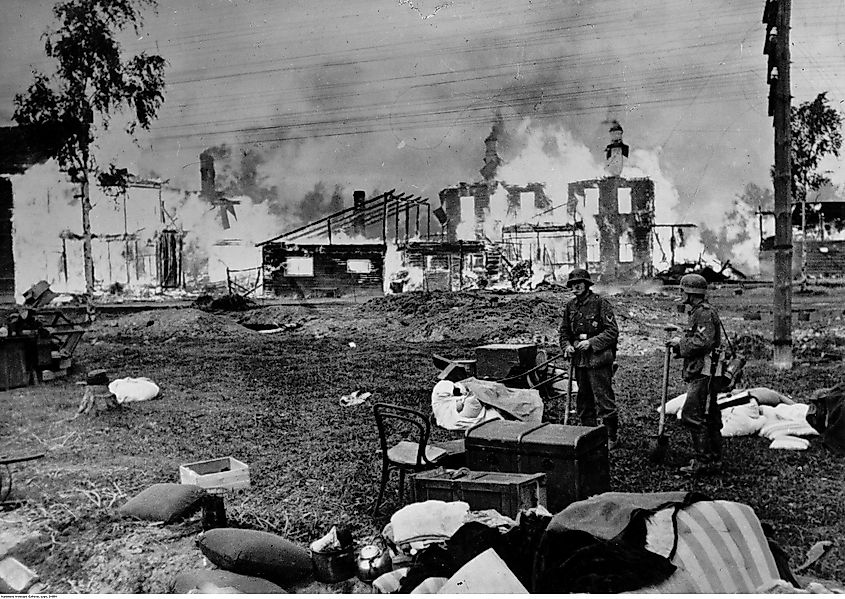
404 435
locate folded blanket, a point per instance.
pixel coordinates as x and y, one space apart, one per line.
431 520
608 515
522 404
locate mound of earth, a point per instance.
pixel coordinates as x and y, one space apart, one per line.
168 323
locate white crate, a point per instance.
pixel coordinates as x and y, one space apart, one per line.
219 473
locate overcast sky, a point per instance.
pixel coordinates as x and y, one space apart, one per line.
401 93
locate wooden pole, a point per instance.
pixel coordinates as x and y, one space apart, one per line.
384 220
396 222
407 221
782 296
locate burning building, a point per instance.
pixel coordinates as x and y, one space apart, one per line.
146 237
132 243
617 218
340 254
605 225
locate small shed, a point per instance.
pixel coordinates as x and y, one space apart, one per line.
322 269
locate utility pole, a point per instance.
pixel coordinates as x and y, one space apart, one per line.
776 16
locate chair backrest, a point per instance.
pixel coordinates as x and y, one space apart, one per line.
545 372
397 421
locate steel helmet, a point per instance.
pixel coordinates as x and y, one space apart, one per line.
694 284
578 275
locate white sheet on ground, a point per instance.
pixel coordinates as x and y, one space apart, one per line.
486 573
133 389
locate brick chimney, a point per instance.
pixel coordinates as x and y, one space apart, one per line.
358 225
207 190
492 161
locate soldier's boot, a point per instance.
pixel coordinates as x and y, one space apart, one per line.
714 442
701 462
587 420
611 423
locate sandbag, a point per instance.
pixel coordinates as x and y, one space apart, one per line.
200 579
789 442
164 502
133 389
256 553
795 428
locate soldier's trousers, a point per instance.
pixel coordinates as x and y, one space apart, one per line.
705 429
595 394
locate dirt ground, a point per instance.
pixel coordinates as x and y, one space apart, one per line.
271 399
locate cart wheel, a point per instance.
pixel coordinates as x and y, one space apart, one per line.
5 482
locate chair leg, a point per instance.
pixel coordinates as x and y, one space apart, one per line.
385 474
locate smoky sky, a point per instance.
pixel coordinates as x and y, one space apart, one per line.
367 94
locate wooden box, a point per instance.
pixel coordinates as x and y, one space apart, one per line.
574 458
16 356
502 360
219 473
505 492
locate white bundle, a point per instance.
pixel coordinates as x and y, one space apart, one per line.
780 428
790 442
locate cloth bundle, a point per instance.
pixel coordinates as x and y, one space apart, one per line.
455 408
759 411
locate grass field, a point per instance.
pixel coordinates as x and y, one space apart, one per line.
272 401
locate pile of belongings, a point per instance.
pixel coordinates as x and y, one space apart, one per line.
827 415
461 405
760 411
671 542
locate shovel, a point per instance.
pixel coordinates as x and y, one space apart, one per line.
658 454
569 391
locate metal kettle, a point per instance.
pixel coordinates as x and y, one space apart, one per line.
373 561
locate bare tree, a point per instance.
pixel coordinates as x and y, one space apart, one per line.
92 83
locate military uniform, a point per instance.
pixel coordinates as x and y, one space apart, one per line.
701 337
592 315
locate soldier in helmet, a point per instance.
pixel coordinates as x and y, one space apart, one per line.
700 414
588 335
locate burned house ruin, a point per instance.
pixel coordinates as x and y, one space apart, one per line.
341 254
605 225
818 238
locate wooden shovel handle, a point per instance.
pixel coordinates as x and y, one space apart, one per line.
666 360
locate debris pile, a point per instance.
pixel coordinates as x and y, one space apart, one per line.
169 323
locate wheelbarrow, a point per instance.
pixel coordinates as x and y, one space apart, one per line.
6 472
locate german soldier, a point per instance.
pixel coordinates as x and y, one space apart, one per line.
700 414
588 336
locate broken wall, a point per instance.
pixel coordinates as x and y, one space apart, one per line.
468 207
446 266
617 215
47 232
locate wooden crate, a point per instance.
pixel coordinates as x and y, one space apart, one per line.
219 473
502 360
574 458
505 492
